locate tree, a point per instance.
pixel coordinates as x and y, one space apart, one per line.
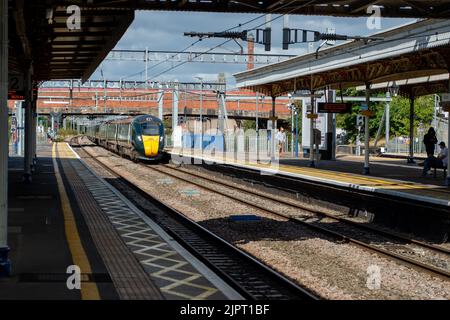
423 113
399 115
248 124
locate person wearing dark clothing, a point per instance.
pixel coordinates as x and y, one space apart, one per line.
430 141
441 161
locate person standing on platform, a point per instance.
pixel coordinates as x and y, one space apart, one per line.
281 139
430 141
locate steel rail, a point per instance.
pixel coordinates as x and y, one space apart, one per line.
284 283
400 258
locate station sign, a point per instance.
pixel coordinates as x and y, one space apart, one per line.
16 88
446 97
363 107
334 107
312 115
367 113
445 105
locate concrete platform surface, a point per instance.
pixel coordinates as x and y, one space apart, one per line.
68 220
388 176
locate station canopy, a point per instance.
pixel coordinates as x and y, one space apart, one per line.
338 8
420 86
39 36
417 50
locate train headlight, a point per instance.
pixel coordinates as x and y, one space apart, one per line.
139 138
161 138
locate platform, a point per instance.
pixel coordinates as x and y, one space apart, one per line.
391 177
69 216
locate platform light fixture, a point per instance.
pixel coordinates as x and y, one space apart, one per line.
393 89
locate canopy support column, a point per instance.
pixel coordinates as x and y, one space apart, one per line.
256 125
447 181
34 134
411 129
27 161
311 132
387 114
175 97
274 129
161 102
367 134
5 264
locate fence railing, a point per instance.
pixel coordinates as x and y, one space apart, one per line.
401 144
231 142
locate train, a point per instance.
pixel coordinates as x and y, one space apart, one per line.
139 138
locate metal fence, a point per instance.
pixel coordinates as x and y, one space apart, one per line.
401 144
240 142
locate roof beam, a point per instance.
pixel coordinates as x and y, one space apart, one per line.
121 28
79 34
362 5
389 8
21 29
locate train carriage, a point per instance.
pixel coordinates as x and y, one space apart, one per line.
140 137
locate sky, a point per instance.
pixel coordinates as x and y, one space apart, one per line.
158 30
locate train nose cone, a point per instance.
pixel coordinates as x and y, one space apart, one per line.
151 145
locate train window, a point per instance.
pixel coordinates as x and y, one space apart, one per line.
150 129
123 132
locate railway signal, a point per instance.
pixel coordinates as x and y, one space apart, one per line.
359 120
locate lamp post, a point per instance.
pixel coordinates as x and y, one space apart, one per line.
201 111
392 92
296 131
387 115
257 121
289 106
294 111
437 101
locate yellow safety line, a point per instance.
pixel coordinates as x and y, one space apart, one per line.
385 183
350 177
326 174
89 290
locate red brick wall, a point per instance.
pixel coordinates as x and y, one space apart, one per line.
58 100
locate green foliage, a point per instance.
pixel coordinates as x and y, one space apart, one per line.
423 114
347 121
399 115
249 124
167 126
66 132
63 134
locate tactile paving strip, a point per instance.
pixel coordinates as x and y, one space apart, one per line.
176 277
129 278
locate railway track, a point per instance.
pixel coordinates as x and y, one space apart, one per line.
248 276
387 210
394 235
407 260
